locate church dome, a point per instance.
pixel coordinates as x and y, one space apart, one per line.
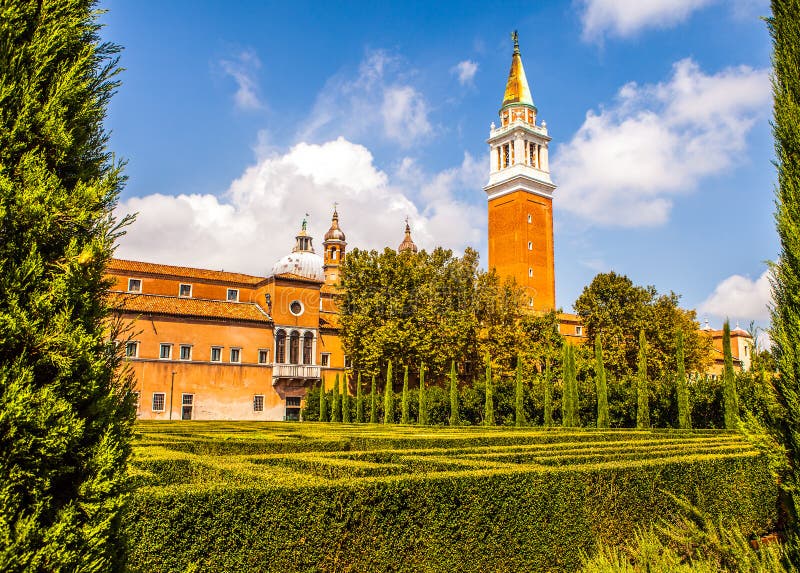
301 263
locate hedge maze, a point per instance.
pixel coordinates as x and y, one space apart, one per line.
315 497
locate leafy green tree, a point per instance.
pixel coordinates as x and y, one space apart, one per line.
519 396
373 404
642 386
359 401
600 382
66 413
454 413
488 417
345 401
388 397
684 414
323 403
336 404
730 398
423 405
548 396
404 419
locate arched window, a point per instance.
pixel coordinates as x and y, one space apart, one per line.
280 347
294 347
308 348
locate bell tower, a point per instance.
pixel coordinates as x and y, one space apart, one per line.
335 245
520 193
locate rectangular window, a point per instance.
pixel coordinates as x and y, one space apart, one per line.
134 285
216 354
263 356
258 403
165 352
579 330
347 362
293 401
506 155
186 352
187 399
185 290
326 359
158 401
131 349
236 354
233 295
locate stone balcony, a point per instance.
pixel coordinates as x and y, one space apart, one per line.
295 372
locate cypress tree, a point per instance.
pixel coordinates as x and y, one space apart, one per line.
454 414
642 390
422 415
681 387
388 397
600 382
359 402
570 388
66 411
336 403
576 419
404 404
548 395
784 27
373 404
488 415
566 393
323 403
519 402
345 401
729 381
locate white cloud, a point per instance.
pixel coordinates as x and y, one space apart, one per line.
379 100
740 298
254 223
627 162
243 68
465 71
625 18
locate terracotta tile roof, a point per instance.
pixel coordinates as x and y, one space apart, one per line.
187 307
328 319
122 266
294 277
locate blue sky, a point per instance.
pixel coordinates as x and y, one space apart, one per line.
238 118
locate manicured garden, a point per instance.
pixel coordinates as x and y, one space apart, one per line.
249 496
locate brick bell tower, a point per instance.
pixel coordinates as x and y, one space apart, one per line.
520 193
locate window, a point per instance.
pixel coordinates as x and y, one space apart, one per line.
293 401
347 362
131 349
506 155
529 218
165 352
579 330
294 347
530 245
233 295
280 347
134 285
326 358
187 403
236 354
258 403
185 290
308 348
216 354
158 401
186 351
530 272
296 307
263 356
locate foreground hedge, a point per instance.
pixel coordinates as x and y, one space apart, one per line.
530 518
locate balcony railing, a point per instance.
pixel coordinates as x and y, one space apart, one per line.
295 371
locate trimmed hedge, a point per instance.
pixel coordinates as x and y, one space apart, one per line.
421 500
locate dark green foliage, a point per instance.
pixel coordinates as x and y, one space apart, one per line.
323 403
600 384
404 418
420 500
684 414
388 397
548 396
730 398
642 386
423 405
488 415
519 396
455 417
373 403
65 411
359 401
345 401
336 405
570 394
